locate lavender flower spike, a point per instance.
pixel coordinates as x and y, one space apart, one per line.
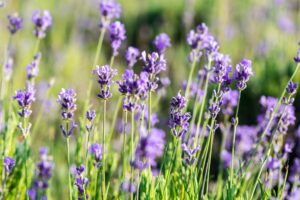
162 42
43 174
153 63
242 73
97 151
178 120
15 23
131 56
81 183
291 88
67 100
297 57
117 35
109 10
105 75
9 164
25 99
42 22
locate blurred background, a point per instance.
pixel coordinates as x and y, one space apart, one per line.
267 32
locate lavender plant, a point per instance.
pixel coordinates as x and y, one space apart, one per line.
130 148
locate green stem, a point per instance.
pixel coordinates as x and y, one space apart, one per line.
236 122
131 147
124 143
187 90
36 47
99 46
113 124
204 99
69 165
149 112
103 144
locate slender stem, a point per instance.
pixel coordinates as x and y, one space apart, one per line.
124 143
36 47
87 139
187 90
204 98
103 144
236 122
149 112
69 165
113 124
99 46
170 168
97 183
131 147
210 153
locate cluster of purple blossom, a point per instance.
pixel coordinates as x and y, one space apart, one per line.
194 144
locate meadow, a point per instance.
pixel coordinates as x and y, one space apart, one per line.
156 99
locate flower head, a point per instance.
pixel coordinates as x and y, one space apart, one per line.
67 100
117 34
81 182
105 75
15 23
9 164
109 10
162 42
291 88
25 99
97 151
242 73
42 22
297 57
43 174
153 63
178 120
131 56
201 42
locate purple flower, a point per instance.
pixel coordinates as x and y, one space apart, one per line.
42 22
9 164
229 102
68 131
33 68
221 70
297 57
153 63
15 23
291 88
105 75
81 182
178 120
201 42
242 73
162 42
131 56
109 10
117 34
97 151
190 154
25 99
150 148
90 115
67 100
43 174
